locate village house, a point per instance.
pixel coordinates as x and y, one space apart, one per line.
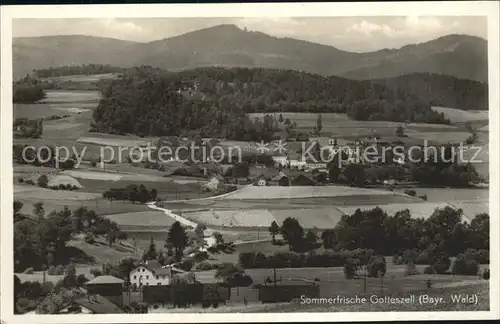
91 304
261 181
312 165
280 160
213 183
109 287
151 273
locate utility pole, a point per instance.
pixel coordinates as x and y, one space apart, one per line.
275 288
364 283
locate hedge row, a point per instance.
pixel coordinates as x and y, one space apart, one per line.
254 260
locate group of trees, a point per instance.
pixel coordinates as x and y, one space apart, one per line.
132 192
27 128
411 240
40 241
27 90
294 235
443 231
215 101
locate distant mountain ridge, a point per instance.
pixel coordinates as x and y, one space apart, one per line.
461 56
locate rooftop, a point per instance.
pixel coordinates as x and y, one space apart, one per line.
104 280
99 305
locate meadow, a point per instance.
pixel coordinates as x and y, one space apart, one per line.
457 115
83 78
341 126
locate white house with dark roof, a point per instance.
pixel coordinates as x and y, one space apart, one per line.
152 273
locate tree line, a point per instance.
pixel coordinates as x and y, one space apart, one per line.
132 192
84 69
441 90
213 102
27 90
374 233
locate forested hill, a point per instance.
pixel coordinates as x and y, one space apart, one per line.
461 56
213 101
441 90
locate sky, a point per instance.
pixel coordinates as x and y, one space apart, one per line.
357 34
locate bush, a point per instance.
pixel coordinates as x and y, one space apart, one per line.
410 192
422 258
350 268
186 264
202 266
442 264
423 197
429 270
56 271
376 266
30 182
62 187
42 181
480 256
20 180
465 266
28 270
68 164
486 274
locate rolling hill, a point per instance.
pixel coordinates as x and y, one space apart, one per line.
460 56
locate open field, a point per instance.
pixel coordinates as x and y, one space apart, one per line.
33 192
59 96
83 78
442 137
100 206
457 115
452 194
279 192
141 219
340 125
124 142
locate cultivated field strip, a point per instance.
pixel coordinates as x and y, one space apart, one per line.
279 192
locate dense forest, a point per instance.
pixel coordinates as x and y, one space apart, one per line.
214 101
441 90
41 240
85 69
27 90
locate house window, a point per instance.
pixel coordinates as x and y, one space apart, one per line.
157 277
147 277
159 284
135 277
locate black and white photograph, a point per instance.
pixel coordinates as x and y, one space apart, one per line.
225 163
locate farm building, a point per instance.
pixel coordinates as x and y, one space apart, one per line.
280 160
151 273
214 183
261 181
91 304
107 286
